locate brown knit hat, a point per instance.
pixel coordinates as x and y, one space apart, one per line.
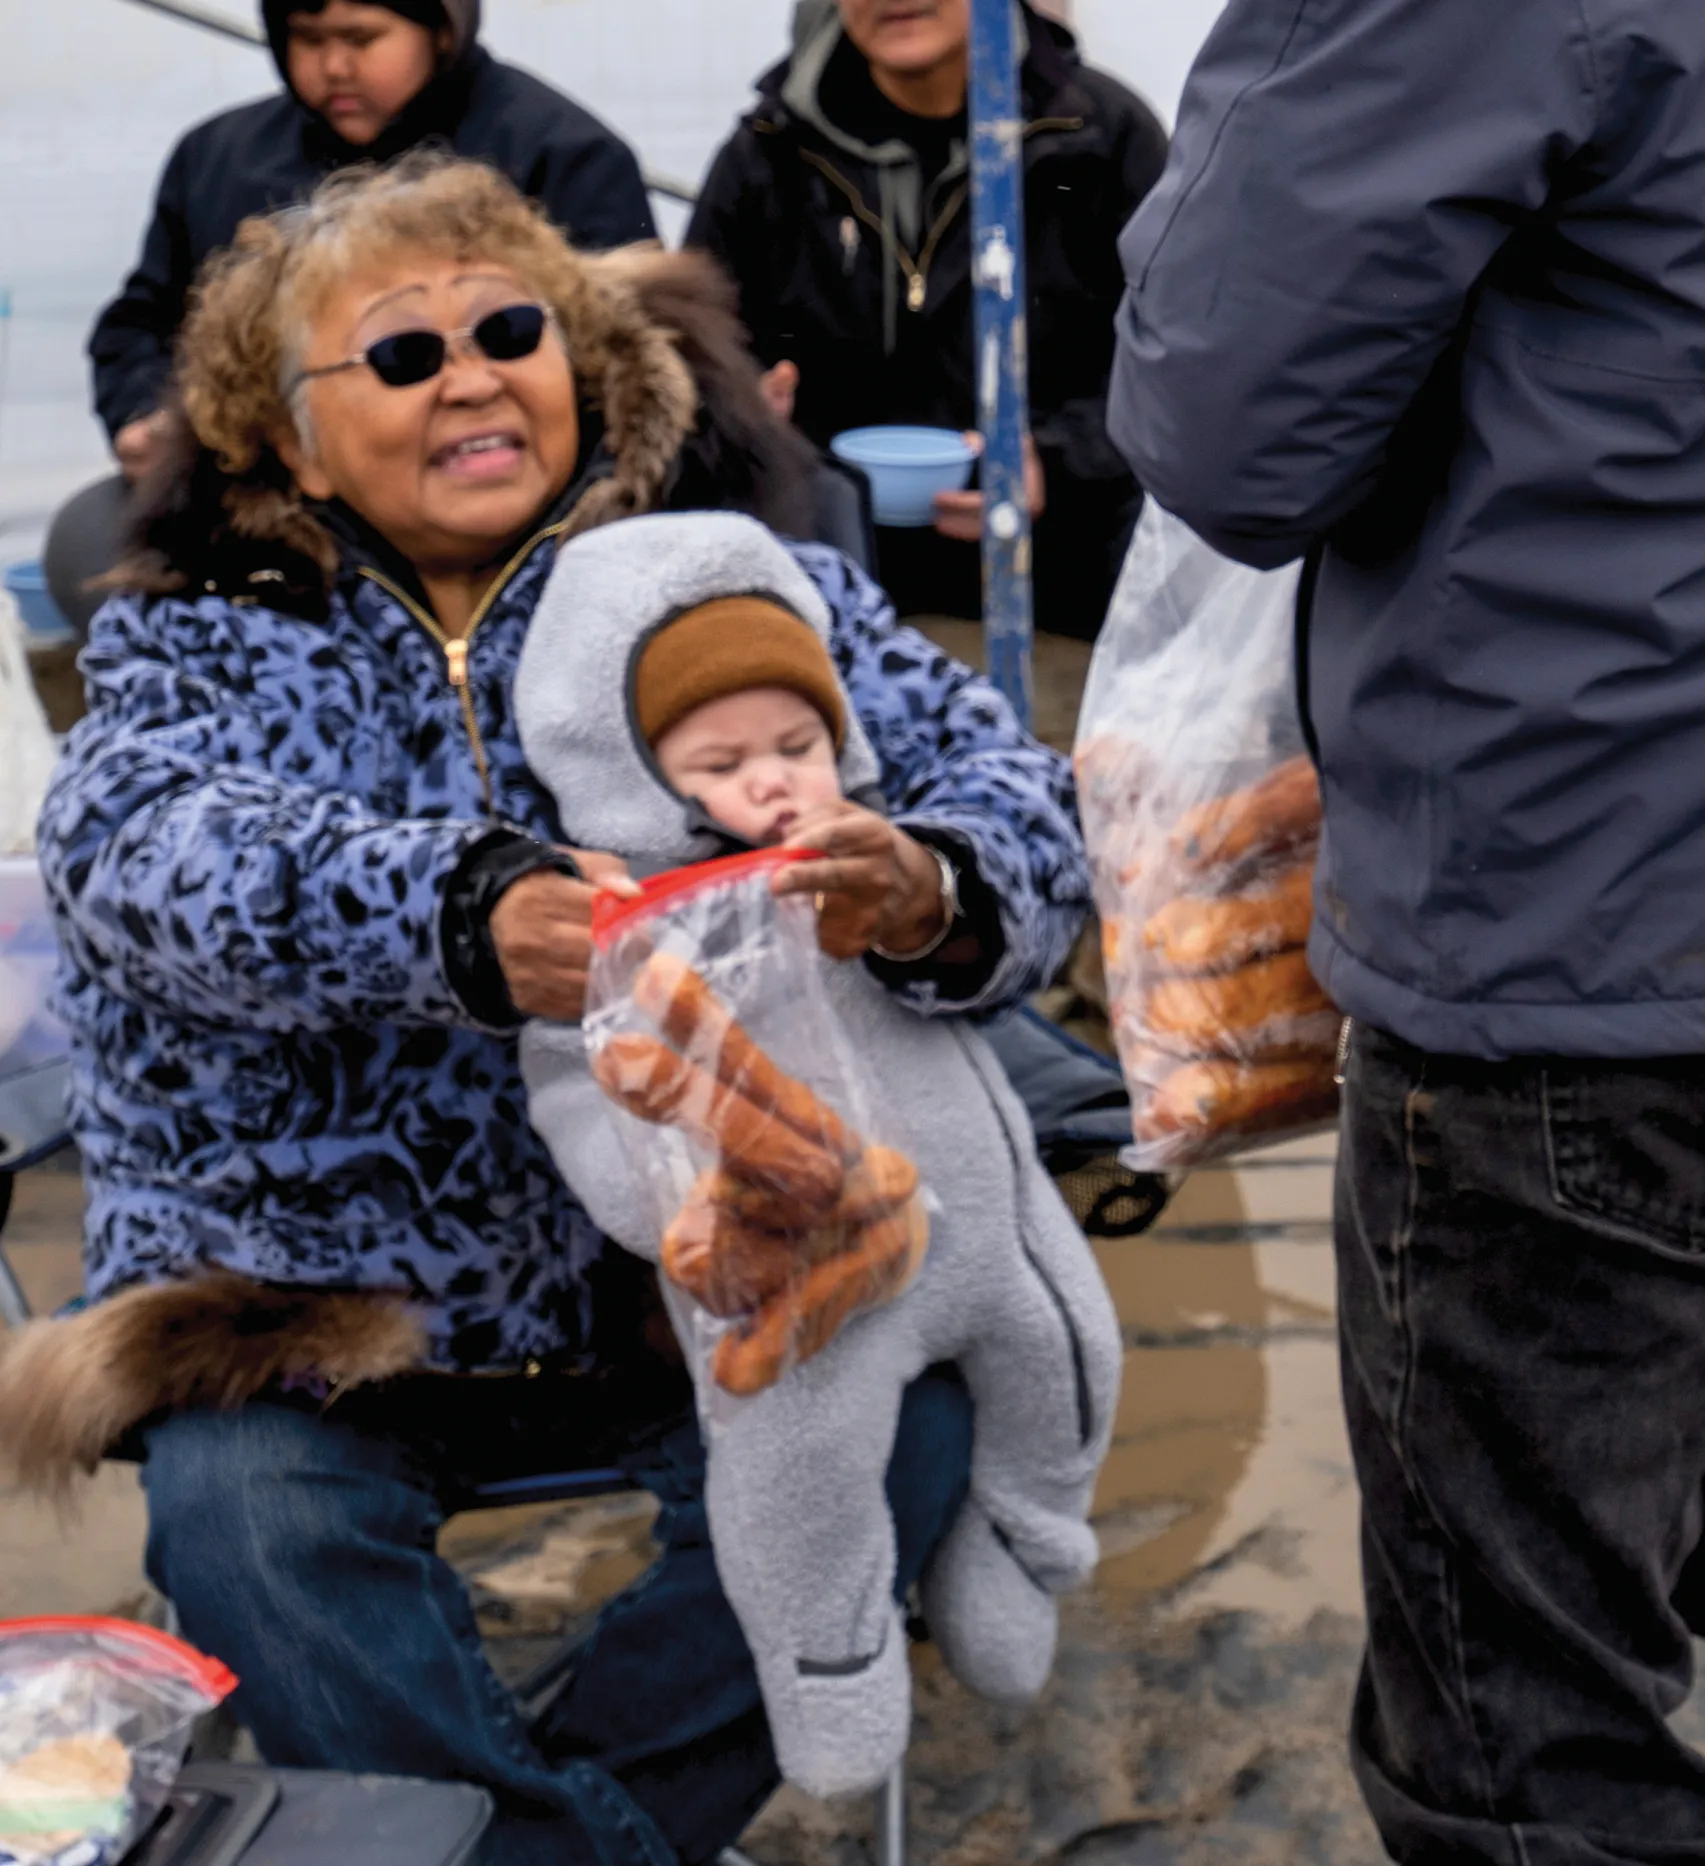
731 646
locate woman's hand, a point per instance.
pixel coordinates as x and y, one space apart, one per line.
877 887
541 931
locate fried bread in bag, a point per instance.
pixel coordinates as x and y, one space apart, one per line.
752 1119
1201 809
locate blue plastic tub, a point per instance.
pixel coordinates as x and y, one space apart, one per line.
907 467
26 583
30 1034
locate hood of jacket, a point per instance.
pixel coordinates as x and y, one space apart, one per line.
435 110
609 592
677 416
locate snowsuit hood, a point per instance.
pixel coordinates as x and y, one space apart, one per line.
611 591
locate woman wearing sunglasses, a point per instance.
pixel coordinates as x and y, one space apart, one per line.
306 890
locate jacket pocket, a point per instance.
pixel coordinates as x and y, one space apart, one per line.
1626 1152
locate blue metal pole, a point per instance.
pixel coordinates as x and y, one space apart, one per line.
1003 342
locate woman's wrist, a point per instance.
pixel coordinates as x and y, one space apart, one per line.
957 972
929 908
489 868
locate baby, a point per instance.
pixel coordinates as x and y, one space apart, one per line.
760 761
677 696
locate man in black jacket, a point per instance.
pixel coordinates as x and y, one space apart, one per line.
841 208
362 83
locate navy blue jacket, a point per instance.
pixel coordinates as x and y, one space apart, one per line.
1424 287
264 155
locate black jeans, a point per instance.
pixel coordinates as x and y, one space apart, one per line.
1521 1262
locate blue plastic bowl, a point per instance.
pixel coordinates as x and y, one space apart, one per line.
26 583
907 467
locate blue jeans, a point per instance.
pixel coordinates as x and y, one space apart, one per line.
1521 1263
301 1548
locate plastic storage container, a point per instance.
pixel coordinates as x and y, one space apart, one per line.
30 1035
906 468
26 583
95 1718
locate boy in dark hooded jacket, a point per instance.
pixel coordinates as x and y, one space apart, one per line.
841 208
362 83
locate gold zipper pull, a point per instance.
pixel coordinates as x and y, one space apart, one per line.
456 656
915 290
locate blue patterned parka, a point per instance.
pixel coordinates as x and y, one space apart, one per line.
247 846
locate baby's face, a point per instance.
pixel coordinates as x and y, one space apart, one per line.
759 762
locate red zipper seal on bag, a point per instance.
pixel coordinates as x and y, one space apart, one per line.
215 1680
613 913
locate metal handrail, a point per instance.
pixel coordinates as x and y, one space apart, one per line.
208 18
211 19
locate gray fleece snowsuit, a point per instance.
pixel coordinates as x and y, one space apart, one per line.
1009 1290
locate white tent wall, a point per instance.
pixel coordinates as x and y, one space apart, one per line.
1148 43
94 92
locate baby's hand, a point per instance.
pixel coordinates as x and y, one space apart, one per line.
874 885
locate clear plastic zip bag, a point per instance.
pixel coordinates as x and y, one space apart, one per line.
95 1719
749 1119
1202 814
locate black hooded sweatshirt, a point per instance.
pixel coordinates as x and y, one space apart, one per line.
846 226
265 155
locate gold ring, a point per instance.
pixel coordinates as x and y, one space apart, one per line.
821 898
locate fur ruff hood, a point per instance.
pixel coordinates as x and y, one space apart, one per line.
74 1387
672 410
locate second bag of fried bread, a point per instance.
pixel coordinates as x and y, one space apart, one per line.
1202 813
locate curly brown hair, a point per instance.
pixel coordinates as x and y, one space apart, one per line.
240 343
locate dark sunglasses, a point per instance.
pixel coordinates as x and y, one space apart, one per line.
413 356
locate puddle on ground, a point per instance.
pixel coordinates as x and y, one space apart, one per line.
1197 1711
1228 1440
